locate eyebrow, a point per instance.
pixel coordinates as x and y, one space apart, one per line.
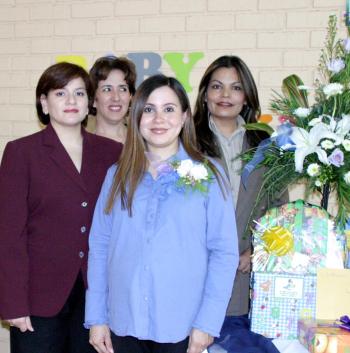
234 82
153 105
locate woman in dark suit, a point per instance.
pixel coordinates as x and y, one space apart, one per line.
49 183
228 99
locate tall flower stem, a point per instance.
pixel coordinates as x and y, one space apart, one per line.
325 196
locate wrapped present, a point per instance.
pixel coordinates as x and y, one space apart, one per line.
279 300
321 336
297 238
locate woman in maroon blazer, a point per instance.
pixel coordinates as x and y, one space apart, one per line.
49 183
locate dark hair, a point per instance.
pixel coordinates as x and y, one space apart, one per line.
133 163
250 112
55 77
104 65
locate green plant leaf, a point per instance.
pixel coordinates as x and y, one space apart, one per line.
260 127
291 91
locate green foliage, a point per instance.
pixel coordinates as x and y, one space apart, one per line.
330 114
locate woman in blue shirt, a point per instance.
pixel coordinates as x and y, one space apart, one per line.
163 244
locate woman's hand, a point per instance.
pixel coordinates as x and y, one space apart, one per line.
199 341
245 261
23 323
100 338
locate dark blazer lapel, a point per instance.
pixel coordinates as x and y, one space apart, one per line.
60 156
246 200
89 155
244 192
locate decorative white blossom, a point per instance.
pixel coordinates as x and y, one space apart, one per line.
185 167
199 172
336 65
346 145
347 178
318 183
333 89
308 142
313 169
305 88
315 121
302 112
327 144
346 44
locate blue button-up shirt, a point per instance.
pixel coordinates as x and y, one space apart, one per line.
168 268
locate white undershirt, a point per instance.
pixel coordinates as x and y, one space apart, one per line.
231 147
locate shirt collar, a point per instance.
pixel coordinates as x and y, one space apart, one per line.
178 156
240 128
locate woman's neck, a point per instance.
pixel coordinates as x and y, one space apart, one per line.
156 156
226 126
115 132
68 135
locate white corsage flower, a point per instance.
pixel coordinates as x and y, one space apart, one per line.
199 172
193 175
313 169
333 89
347 178
185 167
302 112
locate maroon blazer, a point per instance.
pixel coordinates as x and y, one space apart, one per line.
46 208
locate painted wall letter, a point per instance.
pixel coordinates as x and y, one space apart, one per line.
147 64
182 69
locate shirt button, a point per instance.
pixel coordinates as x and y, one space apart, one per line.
81 254
83 229
146 268
84 204
146 299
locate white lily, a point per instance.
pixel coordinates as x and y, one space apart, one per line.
339 129
343 126
308 142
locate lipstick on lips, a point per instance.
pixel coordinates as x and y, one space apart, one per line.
72 110
115 107
159 131
225 104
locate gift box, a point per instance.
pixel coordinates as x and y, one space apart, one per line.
321 336
297 238
279 301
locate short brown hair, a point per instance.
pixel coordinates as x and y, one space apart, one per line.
104 65
55 77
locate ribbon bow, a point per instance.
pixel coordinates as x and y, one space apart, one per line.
345 322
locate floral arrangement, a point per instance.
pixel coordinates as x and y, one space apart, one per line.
313 141
189 175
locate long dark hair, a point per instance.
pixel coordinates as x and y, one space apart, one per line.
133 163
250 112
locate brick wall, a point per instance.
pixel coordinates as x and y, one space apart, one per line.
274 37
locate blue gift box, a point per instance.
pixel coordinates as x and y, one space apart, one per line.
279 301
